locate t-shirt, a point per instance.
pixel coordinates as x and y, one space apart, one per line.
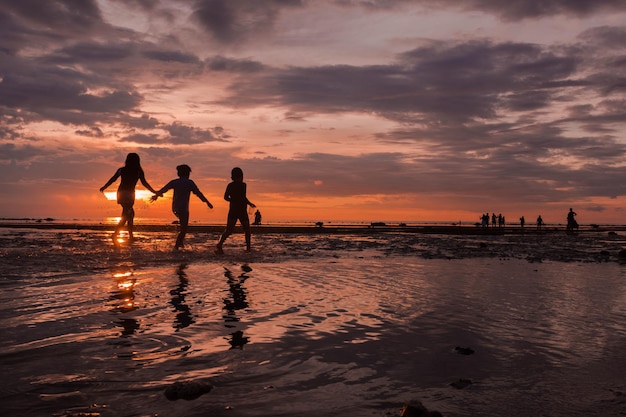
183 187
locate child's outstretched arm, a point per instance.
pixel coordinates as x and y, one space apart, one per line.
201 196
111 181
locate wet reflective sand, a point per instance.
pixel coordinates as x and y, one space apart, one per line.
316 326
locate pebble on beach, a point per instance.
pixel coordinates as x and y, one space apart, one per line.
464 350
416 409
461 383
187 390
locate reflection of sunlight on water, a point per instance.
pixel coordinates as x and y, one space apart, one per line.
125 293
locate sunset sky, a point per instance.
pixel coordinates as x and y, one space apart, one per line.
365 110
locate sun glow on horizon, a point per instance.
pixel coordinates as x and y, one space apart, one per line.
139 195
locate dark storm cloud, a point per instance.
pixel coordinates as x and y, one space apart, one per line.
232 21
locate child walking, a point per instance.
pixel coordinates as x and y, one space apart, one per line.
183 187
130 173
236 195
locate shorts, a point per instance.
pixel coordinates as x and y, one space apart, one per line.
126 197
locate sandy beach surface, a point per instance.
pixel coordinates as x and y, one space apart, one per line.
349 323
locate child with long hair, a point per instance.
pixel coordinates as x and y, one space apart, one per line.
130 173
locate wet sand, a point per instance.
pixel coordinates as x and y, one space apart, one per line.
324 324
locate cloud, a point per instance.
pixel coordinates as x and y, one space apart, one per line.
60 16
506 10
452 81
235 21
221 63
13 152
94 132
516 10
178 133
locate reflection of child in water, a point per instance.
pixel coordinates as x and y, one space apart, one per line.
236 194
183 187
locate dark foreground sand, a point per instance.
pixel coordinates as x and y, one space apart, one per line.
323 323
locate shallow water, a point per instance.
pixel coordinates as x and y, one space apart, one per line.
343 327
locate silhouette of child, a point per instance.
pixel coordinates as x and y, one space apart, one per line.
236 194
183 187
130 173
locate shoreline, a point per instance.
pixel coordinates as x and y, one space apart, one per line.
374 228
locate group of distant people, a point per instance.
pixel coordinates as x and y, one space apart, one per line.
183 186
500 221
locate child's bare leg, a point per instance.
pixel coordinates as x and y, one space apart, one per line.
221 241
131 222
230 226
183 223
121 223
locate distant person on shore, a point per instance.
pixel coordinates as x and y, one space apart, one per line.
494 219
571 221
522 221
130 173
183 187
539 222
236 194
257 217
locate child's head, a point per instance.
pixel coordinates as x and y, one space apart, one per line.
236 174
132 160
183 171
